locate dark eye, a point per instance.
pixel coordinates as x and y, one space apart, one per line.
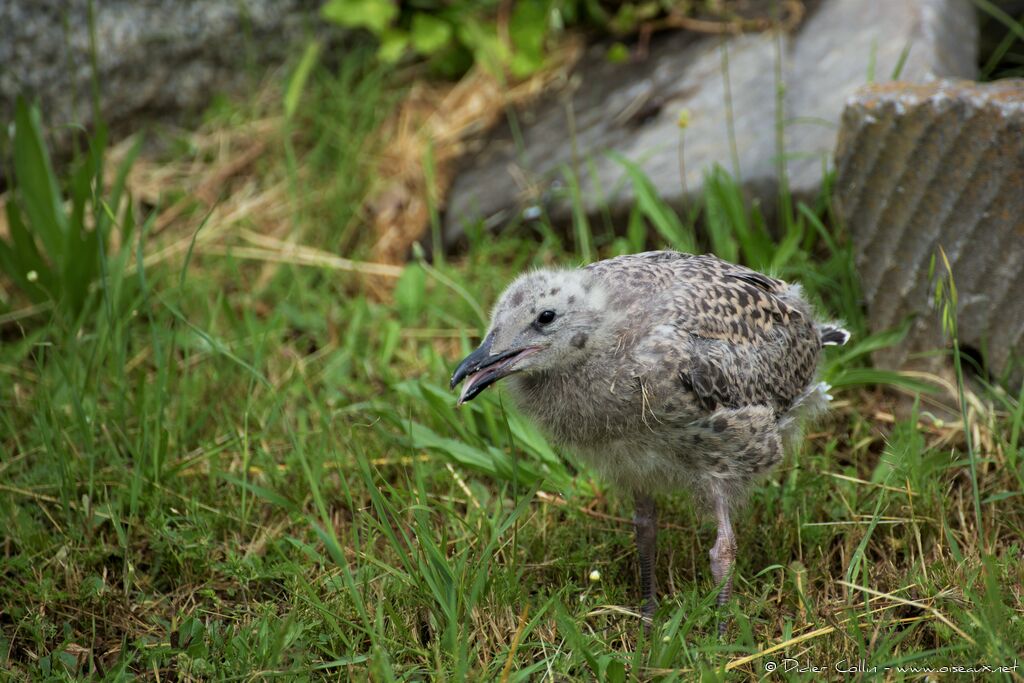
545 317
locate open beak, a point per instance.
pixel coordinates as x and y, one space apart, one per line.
481 369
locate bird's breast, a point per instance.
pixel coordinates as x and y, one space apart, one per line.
585 407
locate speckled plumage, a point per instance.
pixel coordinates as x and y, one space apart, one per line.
704 361
664 370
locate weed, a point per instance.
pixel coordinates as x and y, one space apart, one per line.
58 251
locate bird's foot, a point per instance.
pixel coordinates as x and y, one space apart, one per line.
723 560
645 521
647 610
724 595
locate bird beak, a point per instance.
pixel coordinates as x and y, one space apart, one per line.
481 368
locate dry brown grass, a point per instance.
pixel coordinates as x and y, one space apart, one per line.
435 121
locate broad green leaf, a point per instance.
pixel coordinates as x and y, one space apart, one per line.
527 434
23 259
375 15
870 344
429 34
527 30
615 671
393 44
488 50
12 267
463 453
489 460
80 268
37 186
523 64
442 403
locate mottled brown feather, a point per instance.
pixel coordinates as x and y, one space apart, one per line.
692 375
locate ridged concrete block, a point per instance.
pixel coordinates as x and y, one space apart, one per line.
942 164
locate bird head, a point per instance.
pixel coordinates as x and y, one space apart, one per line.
543 321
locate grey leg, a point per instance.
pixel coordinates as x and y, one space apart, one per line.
645 521
723 555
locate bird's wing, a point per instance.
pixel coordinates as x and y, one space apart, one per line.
636 278
715 299
644 260
733 336
723 375
703 294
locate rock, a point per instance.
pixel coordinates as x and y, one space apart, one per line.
156 56
633 109
941 164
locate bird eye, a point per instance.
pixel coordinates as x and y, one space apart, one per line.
545 317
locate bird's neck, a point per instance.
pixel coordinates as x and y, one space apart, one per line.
561 401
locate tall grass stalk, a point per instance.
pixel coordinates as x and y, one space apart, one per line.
946 301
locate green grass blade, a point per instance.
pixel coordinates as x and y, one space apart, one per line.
665 221
297 83
22 261
37 185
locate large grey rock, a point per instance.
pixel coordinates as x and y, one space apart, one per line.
924 166
156 56
633 109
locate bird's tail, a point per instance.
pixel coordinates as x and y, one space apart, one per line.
833 335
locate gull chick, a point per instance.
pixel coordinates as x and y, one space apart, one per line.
663 371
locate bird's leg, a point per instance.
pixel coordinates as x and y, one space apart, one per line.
723 555
645 521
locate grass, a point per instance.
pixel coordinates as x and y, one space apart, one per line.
252 468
